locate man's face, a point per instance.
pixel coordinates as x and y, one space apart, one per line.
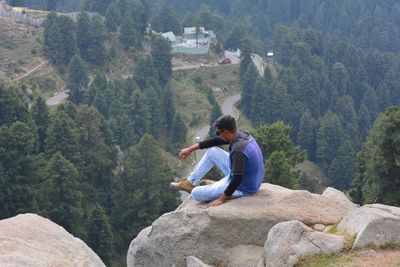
220 133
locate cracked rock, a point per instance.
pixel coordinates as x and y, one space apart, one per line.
288 240
373 224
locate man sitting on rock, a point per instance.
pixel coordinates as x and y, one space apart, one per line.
243 166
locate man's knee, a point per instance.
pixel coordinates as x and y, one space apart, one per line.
214 150
196 194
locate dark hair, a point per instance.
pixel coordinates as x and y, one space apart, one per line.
226 122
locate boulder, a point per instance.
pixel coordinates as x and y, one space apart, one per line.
239 225
195 262
31 240
373 224
339 197
288 240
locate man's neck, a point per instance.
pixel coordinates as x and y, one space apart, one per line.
232 136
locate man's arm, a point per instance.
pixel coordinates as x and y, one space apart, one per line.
184 153
216 141
239 161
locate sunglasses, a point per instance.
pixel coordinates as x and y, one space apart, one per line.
218 132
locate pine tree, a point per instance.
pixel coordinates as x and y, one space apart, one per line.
64 198
138 111
161 54
13 107
145 70
83 34
100 235
17 146
96 155
157 123
329 138
340 78
77 79
166 20
306 134
278 170
41 116
52 40
261 104
247 88
96 50
169 108
215 113
146 194
245 55
364 121
341 169
96 95
370 101
112 18
124 131
179 131
129 36
377 177
67 38
276 137
63 137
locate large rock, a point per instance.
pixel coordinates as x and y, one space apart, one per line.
288 240
339 198
195 262
31 240
238 226
373 224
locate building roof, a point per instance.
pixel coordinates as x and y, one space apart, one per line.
170 36
192 30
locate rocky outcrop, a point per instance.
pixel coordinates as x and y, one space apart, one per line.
195 262
31 240
239 227
373 224
288 240
339 198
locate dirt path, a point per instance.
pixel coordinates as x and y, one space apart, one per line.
371 257
31 71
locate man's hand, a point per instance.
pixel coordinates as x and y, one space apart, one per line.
187 151
221 200
184 153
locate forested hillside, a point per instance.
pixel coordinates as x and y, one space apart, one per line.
97 164
100 163
335 68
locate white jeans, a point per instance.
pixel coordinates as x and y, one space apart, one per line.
214 156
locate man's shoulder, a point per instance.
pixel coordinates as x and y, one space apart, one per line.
241 141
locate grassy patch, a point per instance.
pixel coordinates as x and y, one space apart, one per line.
389 246
17 40
334 229
318 260
224 80
349 241
190 103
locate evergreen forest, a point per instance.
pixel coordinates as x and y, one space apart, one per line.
100 163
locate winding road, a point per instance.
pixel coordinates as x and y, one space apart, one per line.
233 56
57 99
228 108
